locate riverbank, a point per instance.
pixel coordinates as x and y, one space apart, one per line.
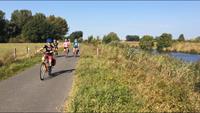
184 47
123 80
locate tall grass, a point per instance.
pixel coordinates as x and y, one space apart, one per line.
187 47
121 79
12 68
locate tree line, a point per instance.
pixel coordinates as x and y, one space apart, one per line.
26 27
146 42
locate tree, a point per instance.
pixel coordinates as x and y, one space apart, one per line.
90 38
3 22
163 41
37 29
59 26
12 29
132 38
181 38
110 37
76 35
146 42
20 18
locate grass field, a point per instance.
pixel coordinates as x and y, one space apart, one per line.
187 47
10 66
21 48
123 80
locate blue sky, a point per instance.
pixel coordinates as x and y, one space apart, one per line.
123 17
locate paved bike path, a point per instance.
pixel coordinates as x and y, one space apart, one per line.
25 92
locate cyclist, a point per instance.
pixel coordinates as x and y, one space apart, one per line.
48 54
66 45
55 44
75 47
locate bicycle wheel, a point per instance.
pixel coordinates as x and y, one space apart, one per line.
49 70
42 71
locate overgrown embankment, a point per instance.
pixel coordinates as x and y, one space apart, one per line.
124 79
185 47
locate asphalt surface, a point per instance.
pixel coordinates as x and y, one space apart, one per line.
25 92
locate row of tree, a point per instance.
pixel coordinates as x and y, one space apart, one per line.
26 27
137 38
146 42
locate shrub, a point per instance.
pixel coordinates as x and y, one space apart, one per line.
110 37
90 38
163 41
146 42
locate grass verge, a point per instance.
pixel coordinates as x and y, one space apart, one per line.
10 69
121 79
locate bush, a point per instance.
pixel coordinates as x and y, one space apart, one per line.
163 41
110 37
146 42
90 38
132 38
94 40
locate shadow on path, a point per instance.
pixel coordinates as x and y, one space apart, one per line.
59 73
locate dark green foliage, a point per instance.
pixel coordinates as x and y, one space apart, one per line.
146 42
132 38
76 35
20 18
25 27
12 29
163 41
110 37
37 29
2 27
181 38
59 26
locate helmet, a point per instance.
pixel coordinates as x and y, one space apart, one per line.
49 40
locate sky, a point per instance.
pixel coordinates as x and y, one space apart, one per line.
98 18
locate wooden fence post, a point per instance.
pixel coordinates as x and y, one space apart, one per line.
35 49
97 51
28 51
15 54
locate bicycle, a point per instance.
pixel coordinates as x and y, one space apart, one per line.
56 52
45 68
76 52
66 52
